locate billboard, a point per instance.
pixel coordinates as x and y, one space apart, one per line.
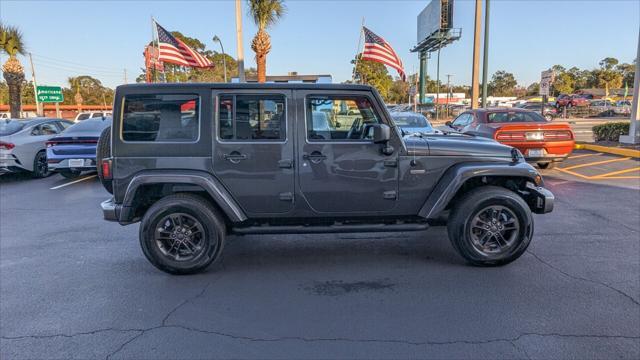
438 15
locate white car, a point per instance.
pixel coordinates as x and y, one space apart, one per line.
91 114
23 144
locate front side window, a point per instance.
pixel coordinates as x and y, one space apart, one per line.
252 118
161 118
340 118
463 120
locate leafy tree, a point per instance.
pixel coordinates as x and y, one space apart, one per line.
398 93
87 89
533 89
608 63
628 73
12 44
564 84
608 77
265 13
374 74
502 83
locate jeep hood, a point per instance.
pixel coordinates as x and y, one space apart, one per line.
456 145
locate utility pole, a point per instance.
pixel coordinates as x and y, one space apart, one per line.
448 92
423 75
39 111
475 88
485 57
634 125
125 76
224 60
239 41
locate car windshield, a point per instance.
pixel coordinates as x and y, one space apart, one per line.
83 116
94 125
9 127
515 117
412 121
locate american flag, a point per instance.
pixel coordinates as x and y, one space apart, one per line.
376 49
174 51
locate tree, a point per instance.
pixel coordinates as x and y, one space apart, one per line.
374 74
398 92
608 63
607 75
628 72
265 13
564 84
11 43
533 89
87 89
502 83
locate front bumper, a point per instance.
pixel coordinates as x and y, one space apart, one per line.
110 210
540 200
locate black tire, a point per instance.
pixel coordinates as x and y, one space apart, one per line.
103 151
211 239
40 167
70 174
546 166
472 204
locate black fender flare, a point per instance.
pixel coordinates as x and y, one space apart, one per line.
457 175
210 184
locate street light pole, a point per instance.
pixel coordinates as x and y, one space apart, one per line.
239 41
224 57
475 88
485 57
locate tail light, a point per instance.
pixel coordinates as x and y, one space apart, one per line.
6 145
558 135
50 144
58 142
106 169
510 135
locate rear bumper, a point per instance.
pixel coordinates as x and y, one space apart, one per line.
552 150
54 164
110 210
540 200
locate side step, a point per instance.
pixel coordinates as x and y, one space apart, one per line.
319 229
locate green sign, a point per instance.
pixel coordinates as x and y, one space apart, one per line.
49 94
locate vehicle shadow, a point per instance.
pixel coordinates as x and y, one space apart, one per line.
15 177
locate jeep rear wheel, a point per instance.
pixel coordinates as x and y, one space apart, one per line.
490 226
182 234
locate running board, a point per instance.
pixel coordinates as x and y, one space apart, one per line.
320 229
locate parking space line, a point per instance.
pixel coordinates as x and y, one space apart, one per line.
583 155
618 172
73 182
594 163
574 173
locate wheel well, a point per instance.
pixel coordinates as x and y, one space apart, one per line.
147 195
515 184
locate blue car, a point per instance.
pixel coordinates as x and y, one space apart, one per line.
74 150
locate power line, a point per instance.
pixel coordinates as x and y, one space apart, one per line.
80 71
106 68
83 68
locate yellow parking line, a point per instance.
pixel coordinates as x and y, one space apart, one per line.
584 155
618 172
574 173
619 177
595 163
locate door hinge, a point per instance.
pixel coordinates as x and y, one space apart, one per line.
287 196
389 195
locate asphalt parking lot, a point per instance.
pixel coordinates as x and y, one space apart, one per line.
75 286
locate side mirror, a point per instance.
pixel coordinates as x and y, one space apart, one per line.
381 133
448 123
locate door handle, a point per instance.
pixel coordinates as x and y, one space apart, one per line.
235 157
314 157
285 164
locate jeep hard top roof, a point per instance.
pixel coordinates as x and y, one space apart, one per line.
239 86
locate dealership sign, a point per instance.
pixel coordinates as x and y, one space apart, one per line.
49 94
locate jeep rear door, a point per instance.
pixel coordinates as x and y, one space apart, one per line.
340 169
253 148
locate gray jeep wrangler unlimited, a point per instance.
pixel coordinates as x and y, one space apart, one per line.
195 162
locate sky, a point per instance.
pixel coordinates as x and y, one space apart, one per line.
103 38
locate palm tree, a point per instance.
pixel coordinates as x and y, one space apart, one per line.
264 13
12 44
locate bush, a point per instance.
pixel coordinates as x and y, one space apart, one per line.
610 131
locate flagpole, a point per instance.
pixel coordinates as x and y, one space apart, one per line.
355 67
155 32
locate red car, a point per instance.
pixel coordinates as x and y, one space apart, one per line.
539 140
573 100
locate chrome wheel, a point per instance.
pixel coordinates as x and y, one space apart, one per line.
180 237
494 230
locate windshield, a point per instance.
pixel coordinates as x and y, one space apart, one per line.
90 125
515 117
412 121
83 116
9 127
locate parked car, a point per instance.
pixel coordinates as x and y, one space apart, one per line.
573 100
74 151
540 141
251 160
550 112
411 123
622 107
601 108
91 114
23 144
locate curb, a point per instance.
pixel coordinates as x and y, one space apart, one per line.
609 150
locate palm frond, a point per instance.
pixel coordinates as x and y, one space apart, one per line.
266 12
11 40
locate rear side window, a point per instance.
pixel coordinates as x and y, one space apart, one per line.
161 118
252 118
515 117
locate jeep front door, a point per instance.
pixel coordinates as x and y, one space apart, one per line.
253 154
341 169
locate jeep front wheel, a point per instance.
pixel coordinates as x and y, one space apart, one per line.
490 226
182 234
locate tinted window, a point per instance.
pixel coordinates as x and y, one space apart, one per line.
463 120
90 125
83 117
166 118
411 121
252 117
515 117
46 129
340 118
8 127
96 115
